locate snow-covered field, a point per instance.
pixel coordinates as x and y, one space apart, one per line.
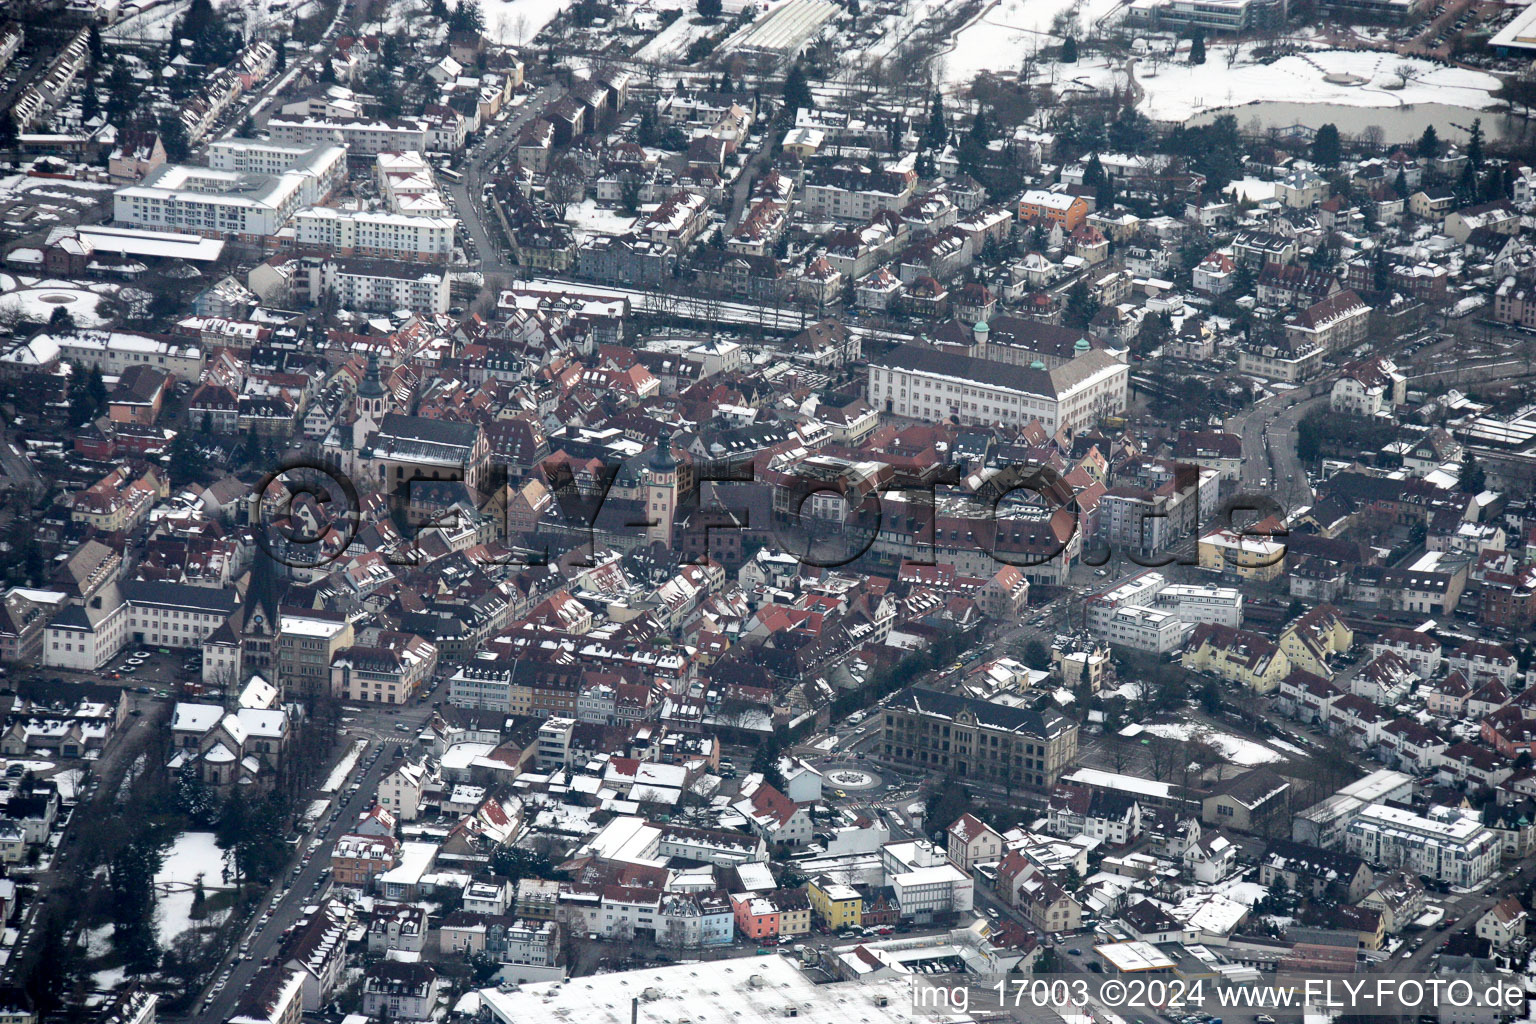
1289 748
1234 748
515 22
35 767
895 30
673 41
1254 190
1011 30
1246 893
587 218
1177 92
193 854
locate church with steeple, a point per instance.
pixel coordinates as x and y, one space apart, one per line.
257 623
350 434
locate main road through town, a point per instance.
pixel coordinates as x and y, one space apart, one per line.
293 892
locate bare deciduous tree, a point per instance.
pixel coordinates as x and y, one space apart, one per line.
566 184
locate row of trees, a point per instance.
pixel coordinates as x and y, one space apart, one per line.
111 868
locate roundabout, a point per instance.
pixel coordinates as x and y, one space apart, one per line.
852 779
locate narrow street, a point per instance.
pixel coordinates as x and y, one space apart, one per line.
467 195
17 468
137 735
749 174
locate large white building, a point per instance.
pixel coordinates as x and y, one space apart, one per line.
115 351
1143 629
1204 602
174 614
1448 845
361 136
375 233
407 184
228 199
265 156
85 637
925 882
752 990
1146 613
926 384
379 285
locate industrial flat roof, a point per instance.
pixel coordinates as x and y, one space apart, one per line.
1520 33
760 990
163 244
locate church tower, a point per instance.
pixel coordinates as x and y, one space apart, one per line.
261 625
370 404
660 476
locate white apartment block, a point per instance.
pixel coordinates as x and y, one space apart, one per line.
361 136
1195 603
379 285
227 202
925 893
927 384
1448 845
407 184
554 743
403 790
375 234
1144 629
115 351
475 686
1146 613
263 156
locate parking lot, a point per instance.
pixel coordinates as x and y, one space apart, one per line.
158 671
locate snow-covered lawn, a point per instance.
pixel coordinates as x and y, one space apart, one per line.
98 941
1234 748
518 21
38 303
1246 893
1011 30
32 766
895 29
192 855
1255 190
587 218
673 41
108 980
1177 92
